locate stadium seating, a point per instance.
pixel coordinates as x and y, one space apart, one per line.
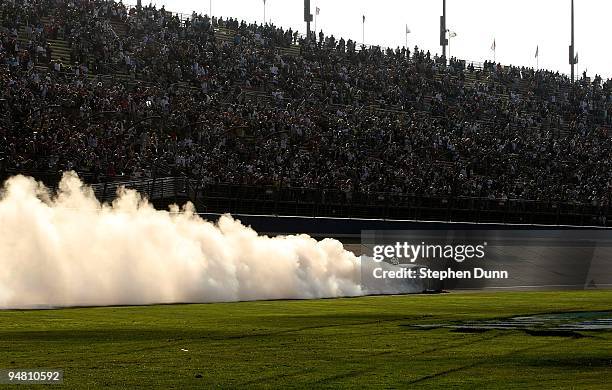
118 93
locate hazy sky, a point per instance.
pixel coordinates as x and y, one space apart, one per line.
518 26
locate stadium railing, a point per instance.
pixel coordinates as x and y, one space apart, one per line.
275 200
305 202
153 189
331 203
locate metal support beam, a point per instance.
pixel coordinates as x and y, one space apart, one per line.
443 40
573 47
307 18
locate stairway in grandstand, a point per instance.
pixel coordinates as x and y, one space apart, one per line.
60 49
120 28
226 35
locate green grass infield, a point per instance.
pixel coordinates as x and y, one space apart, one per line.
356 343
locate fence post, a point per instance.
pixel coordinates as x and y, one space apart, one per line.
151 186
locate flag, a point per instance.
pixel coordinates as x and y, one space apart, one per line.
452 34
318 10
493 46
407 30
537 51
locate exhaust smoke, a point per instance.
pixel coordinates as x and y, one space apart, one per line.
67 249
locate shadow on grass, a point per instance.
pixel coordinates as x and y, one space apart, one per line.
273 327
577 362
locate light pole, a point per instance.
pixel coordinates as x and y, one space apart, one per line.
572 59
443 40
264 1
407 32
307 18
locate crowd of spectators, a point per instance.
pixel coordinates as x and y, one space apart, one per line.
244 111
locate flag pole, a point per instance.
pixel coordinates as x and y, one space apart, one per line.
443 30
494 51
363 32
573 47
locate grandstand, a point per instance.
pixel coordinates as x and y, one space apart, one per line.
257 119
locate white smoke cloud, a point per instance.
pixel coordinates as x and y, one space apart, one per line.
67 249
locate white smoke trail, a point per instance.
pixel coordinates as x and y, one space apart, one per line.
69 250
